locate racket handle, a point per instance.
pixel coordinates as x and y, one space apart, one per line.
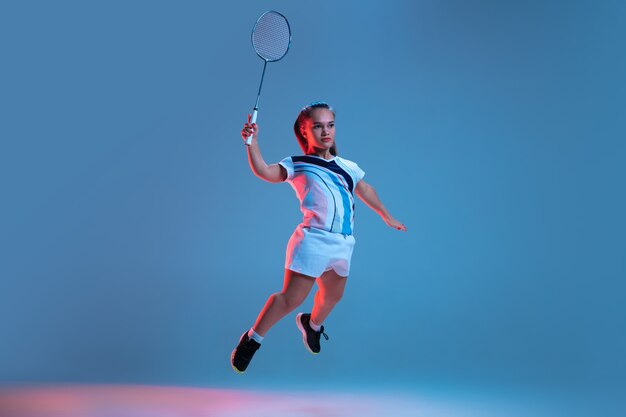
252 120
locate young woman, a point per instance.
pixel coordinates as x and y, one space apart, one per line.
320 249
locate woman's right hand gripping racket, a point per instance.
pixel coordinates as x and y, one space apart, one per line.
271 37
250 131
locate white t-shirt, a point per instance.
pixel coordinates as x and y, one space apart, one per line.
325 189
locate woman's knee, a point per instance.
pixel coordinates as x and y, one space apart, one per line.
292 301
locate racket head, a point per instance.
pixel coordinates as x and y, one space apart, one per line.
271 36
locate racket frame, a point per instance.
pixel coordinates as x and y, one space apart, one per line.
255 111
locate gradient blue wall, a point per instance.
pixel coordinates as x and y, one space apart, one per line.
136 245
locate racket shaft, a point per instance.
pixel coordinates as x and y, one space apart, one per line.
252 120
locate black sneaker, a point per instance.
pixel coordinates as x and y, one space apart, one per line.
310 337
243 353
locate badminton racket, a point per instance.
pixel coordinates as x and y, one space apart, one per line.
271 37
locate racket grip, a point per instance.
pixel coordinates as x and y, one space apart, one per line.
252 120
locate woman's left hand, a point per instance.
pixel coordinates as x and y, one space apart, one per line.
391 222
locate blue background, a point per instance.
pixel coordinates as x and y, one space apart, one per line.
137 246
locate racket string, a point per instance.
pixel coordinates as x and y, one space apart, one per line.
271 36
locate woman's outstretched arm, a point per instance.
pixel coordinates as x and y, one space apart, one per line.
368 194
270 173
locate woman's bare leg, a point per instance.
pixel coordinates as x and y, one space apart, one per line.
329 293
296 287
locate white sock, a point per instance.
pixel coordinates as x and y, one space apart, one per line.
314 326
255 336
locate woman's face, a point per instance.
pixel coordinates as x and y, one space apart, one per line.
319 130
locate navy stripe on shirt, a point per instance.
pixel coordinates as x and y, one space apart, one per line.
330 165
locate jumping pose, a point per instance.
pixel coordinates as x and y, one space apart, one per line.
320 249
